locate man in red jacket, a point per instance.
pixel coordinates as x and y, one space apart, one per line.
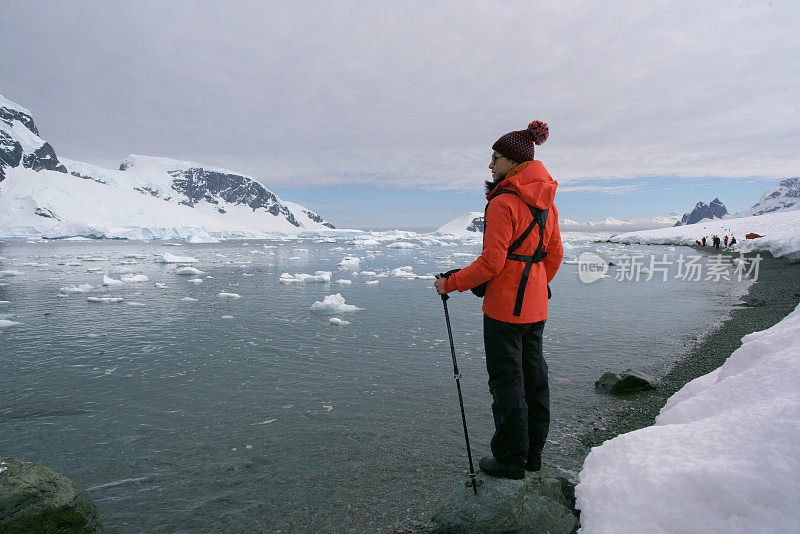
517 267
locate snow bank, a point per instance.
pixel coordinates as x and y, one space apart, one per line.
781 233
320 277
723 455
333 304
172 258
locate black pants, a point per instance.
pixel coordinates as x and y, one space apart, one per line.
521 394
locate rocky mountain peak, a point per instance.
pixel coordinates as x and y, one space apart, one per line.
713 210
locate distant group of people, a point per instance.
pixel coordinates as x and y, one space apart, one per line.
716 241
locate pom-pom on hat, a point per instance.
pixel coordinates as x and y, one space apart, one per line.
519 145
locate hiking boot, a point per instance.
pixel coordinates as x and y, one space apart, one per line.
533 465
492 467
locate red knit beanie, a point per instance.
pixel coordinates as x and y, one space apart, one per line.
518 146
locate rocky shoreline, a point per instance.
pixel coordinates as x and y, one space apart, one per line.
774 295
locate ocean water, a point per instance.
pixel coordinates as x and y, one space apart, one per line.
257 413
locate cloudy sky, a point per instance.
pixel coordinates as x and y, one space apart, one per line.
382 114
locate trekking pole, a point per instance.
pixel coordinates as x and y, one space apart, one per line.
472 481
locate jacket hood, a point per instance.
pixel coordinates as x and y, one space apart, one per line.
532 182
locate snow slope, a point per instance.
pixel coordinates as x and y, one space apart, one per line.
782 197
722 457
781 231
468 225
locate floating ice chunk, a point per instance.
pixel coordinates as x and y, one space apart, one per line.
338 322
188 299
248 274
105 300
5 323
195 280
426 277
344 282
402 244
224 295
73 264
83 288
93 335
465 254
94 269
135 304
107 281
268 421
369 273
132 278
77 238
373 282
404 272
8 274
320 277
227 317
333 304
188 271
171 258
294 258
198 238
34 264
381 275
159 285
129 262
350 262
119 269
327 407
5 302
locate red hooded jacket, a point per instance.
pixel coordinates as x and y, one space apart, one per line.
506 218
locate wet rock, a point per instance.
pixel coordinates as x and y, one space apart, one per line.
535 504
34 498
629 382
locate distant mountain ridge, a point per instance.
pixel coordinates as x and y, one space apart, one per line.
41 194
783 197
714 210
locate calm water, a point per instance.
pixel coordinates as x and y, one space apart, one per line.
256 413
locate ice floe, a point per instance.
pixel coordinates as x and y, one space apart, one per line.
338 322
344 282
350 262
172 258
8 274
224 295
83 288
105 300
188 299
108 281
406 271
333 304
132 278
119 269
5 323
188 271
317 277
195 280
373 282
402 244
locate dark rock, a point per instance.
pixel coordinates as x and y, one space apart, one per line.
43 157
44 212
715 210
9 115
534 504
630 382
478 224
34 498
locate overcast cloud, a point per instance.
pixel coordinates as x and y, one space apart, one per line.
413 94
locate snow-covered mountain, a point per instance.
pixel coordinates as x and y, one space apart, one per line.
147 198
471 224
784 196
713 210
